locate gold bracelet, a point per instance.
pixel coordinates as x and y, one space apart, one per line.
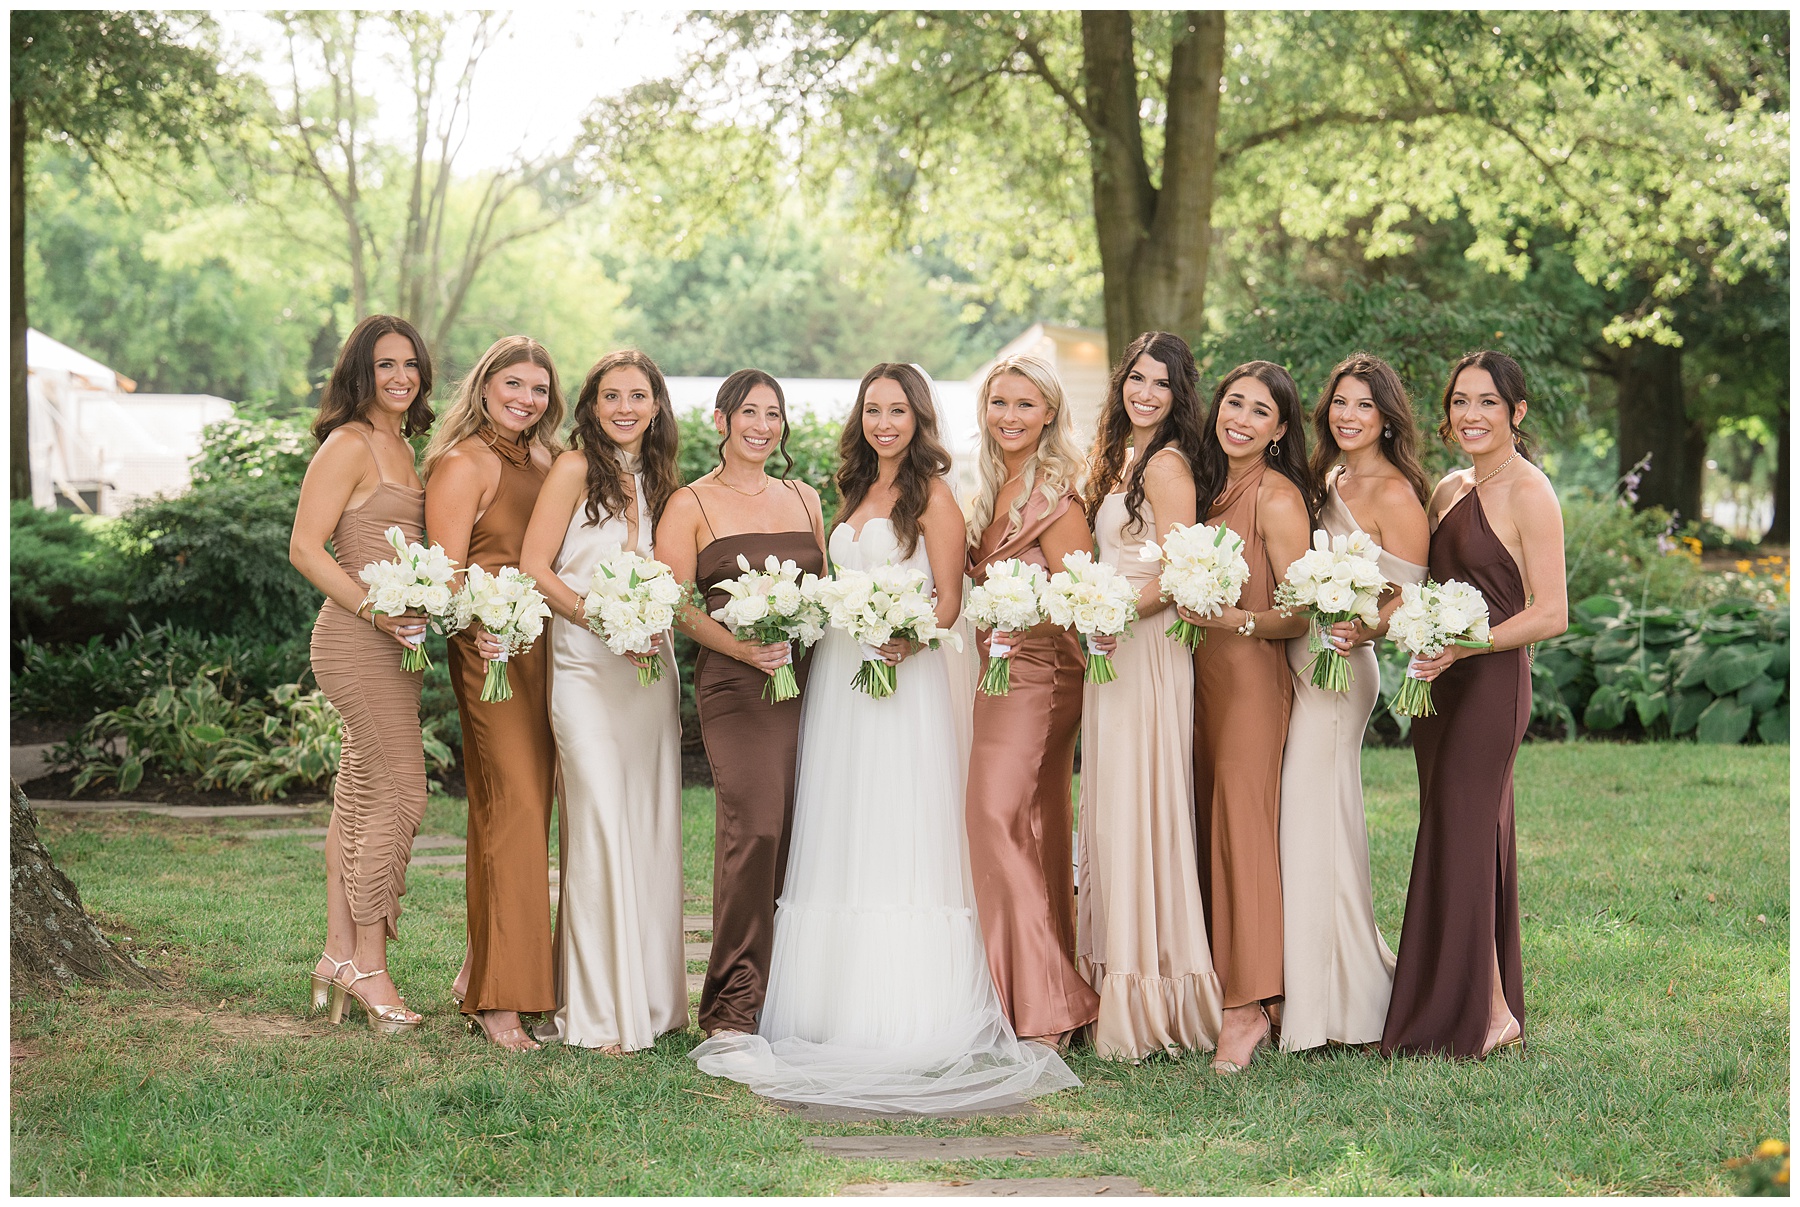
1248 628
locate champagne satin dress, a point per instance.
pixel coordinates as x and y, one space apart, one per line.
1142 928
509 762
379 798
751 746
621 976
1018 807
1242 694
1462 905
1337 969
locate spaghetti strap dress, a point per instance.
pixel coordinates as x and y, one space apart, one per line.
509 762
751 747
379 798
1462 905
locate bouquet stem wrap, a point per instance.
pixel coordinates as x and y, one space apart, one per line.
1099 668
497 687
997 680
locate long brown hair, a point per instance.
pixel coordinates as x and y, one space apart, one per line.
468 413
925 460
1180 427
1399 430
351 387
1213 469
732 392
1509 382
606 487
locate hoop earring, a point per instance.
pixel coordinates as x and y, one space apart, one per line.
1274 449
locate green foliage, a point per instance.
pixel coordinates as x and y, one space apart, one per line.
68 582
274 452
812 442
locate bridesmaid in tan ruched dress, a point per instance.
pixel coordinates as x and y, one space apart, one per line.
739 510
1337 968
483 471
1242 692
1142 927
1023 757
359 484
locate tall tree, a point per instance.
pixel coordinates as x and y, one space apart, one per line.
117 85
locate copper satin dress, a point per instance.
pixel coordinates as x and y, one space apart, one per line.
1142 928
509 762
1018 809
1337 969
751 746
1242 694
379 798
1462 905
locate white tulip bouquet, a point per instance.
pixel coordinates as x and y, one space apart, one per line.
1203 570
1008 601
875 606
509 606
416 580
1096 601
1339 578
630 603
771 605
1430 617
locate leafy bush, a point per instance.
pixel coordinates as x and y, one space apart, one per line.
68 582
812 442
251 449
78 681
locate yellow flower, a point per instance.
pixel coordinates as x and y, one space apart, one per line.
1743 565
1772 1148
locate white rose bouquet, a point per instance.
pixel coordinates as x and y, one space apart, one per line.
416 580
772 605
1096 601
508 606
1337 579
1008 601
630 603
1203 570
875 606
1430 617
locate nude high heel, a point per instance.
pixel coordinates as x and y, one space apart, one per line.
389 1020
321 985
1227 1068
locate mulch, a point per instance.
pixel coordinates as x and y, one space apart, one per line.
156 789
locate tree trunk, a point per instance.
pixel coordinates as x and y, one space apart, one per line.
53 939
1778 522
1653 419
21 406
1154 241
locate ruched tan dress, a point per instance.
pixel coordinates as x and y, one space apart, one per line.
509 761
379 798
1018 808
1242 695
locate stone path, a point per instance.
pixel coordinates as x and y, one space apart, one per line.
849 1114
944 1148
191 811
1002 1188
29 762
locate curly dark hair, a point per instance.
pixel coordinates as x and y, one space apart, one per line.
351 387
1401 448
1180 428
1213 469
605 476
1509 380
926 459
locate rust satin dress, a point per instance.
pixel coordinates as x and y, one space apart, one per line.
752 747
1242 694
1018 810
509 761
379 798
1462 904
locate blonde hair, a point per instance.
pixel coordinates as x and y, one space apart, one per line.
1054 466
468 413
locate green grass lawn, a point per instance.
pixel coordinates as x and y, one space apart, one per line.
1655 895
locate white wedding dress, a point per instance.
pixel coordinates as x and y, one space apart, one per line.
879 992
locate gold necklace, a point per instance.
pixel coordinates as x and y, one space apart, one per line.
719 477
1503 465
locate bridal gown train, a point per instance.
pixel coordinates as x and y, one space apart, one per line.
879 995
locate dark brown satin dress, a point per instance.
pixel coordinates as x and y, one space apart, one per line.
1462 905
1018 810
509 761
1242 694
751 746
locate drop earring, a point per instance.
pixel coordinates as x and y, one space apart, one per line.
1387 431
1274 449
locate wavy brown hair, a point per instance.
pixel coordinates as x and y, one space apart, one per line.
1401 448
468 413
732 392
351 387
925 461
1180 428
1212 471
1509 380
606 479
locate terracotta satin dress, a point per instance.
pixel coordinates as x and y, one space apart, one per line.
379 798
751 746
1242 694
509 761
1018 808
1462 905
1337 968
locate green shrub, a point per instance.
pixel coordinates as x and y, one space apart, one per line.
246 448
80 680
68 582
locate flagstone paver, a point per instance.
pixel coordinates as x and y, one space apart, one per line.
29 762
286 832
846 1114
1002 1188
420 842
696 951
943 1148
695 922
439 861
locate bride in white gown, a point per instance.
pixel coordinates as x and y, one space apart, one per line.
879 992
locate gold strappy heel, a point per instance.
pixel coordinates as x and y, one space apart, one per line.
321 985
389 1020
